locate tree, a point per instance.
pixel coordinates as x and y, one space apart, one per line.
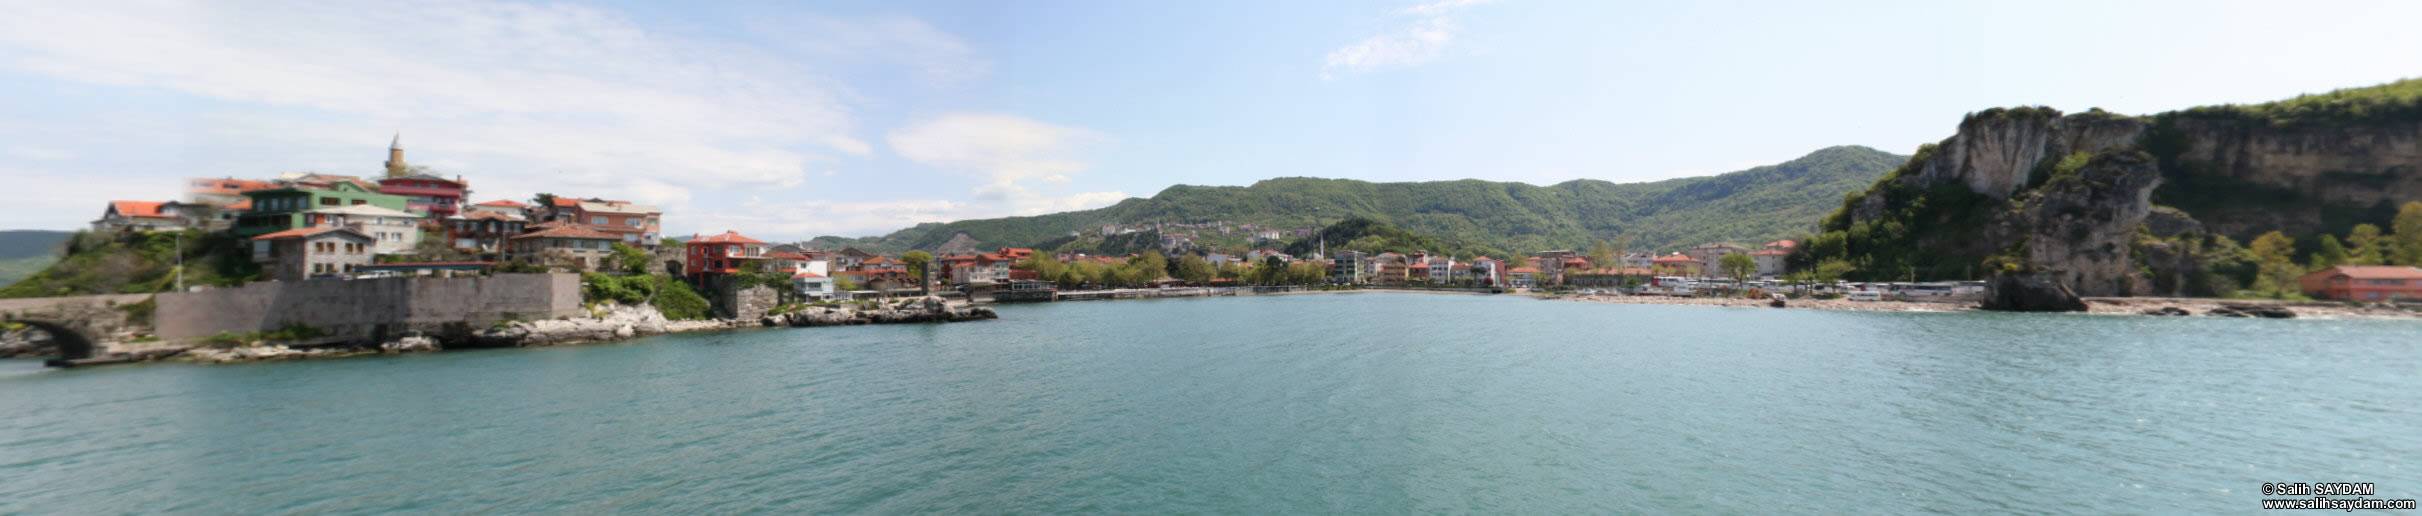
630 259
2368 246
1602 255
1738 266
1622 247
543 200
1149 266
842 283
2408 225
1231 271
916 262
2274 253
1042 265
2330 255
1195 269
1831 270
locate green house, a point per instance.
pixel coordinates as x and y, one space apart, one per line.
283 208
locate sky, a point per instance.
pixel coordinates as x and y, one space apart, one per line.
787 120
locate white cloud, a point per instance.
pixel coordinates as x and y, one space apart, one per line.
1411 45
803 220
519 98
1002 150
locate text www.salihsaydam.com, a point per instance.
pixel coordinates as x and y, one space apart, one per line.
2337 504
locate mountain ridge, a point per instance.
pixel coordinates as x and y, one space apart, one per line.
1753 205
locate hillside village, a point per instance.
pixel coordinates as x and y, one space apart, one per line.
408 222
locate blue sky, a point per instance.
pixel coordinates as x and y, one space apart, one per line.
786 121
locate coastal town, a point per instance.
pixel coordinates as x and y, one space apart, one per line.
306 226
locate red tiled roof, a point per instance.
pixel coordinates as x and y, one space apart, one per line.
1770 252
243 205
563 202
501 203
728 237
2376 271
228 186
297 233
805 274
490 215
1783 244
1524 269
137 208
879 260
1675 258
785 256
568 232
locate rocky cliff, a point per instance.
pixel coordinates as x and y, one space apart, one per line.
2068 200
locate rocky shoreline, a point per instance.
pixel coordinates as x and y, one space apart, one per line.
611 323
2158 306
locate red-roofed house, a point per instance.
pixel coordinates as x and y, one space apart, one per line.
723 254
298 254
812 285
1677 264
482 232
500 206
436 196
143 216
2367 283
1771 259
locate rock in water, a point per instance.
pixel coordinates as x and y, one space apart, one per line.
2166 310
2263 311
2030 293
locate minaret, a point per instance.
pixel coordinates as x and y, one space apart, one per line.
395 156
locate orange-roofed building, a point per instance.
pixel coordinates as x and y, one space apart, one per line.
143 216
1677 264
723 254
2365 283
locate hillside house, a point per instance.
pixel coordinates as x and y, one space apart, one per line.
305 253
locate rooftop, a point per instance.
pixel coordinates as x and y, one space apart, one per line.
2376 271
568 232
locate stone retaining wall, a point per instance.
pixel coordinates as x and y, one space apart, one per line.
367 309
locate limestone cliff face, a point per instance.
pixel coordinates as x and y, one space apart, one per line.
2078 227
2365 164
2233 174
1997 152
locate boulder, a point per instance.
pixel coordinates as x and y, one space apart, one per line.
2249 310
2030 293
2166 311
410 344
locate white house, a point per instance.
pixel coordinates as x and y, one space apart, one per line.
396 231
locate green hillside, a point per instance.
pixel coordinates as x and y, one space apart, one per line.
24 252
136 262
1750 206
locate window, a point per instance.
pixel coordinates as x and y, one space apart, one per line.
634 221
359 202
330 201
597 220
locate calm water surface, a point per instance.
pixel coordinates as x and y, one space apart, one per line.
1362 403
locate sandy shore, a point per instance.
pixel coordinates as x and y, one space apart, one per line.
2098 305
1815 304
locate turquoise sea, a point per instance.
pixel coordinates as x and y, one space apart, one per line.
1349 403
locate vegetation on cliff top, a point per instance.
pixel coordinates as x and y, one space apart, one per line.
2399 101
137 262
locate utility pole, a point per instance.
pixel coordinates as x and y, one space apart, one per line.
180 260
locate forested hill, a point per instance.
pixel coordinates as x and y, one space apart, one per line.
1750 206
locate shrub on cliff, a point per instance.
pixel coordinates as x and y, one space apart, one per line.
676 300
